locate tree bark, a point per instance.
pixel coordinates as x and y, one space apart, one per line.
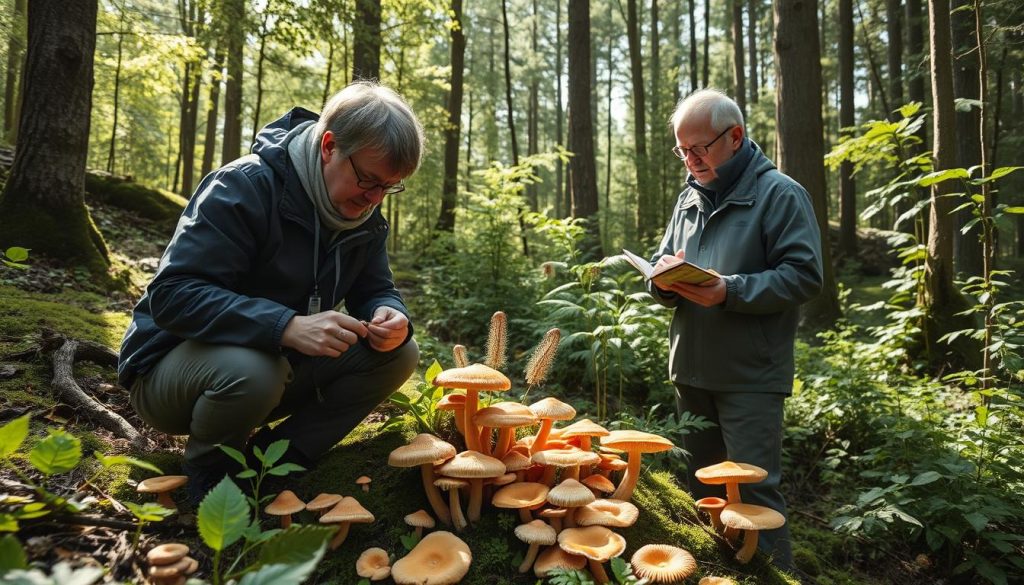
189 102
43 204
943 300
508 85
738 76
657 133
450 187
967 247
847 186
645 206
260 60
707 44
15 59
563 205
366 40
894 30
235 29
693 45
753 14
582 171
213 101
533 110
117 93
801 132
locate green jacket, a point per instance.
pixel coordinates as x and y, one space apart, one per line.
764 239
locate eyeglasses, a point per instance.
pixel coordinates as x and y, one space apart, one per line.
371 185
698 150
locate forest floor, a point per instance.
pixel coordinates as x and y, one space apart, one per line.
52 297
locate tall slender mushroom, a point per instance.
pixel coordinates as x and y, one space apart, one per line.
548 410
731 474
635 443
473 379
452 486
473 466
534 533
506 417
423 451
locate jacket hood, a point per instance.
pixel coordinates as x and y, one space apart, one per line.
271 142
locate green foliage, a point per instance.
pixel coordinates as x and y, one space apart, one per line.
670 426
14 257
420 405
268 466
621 573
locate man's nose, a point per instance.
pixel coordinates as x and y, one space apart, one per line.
692 157
375 195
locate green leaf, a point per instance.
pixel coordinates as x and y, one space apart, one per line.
16 254
940 176
926 478
1014 210
432 372
12 556
57 453
223 515
246 474
275 451
148 512
294 545
280 574
996 174
12 435
108 461
234 454
286 468
977 520
908 110
409 540
8 523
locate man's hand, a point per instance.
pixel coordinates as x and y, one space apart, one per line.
706 294
329 333
388 329
667 260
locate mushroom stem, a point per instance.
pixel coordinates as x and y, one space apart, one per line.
419 532
460 421
469 430
340 535
628 483
503 443
556 523
476 499
542 435
570 518
525 517
732 489
585 445
531 555
286 521
434 494
572 473
548 478
485 440
597 570
746 552
458 518
165 500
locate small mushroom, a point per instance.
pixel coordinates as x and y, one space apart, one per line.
322 503
419 520
521 496
568 460
731 474
473 466
284 505
713 506
610 513
441 558
555 557
162 486
554 516
570 494
373 564
598 484
534 533
716 581
548 410
364 481
347 511
452 486
662 563
635 443
751 519
166 554
597 543
173 573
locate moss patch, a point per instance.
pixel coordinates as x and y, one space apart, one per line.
158 205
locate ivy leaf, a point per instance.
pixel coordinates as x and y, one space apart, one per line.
294 545
12 435
57 453
281 574
223 515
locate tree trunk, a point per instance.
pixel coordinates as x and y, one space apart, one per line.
707 44
43 204
189 103
847 186
563 206
693 45
366 40
753 14
15 58
583 175
967 247
450 187
645 206
234 27
260 60
657 131
894 48
533 111
508 85
943 300
608 133
738 76
213 101
801 132
916 56
117 93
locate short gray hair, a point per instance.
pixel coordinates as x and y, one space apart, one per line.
368 115
712 105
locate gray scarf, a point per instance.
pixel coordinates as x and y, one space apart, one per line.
304 152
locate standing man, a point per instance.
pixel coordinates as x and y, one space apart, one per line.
243 322
732 338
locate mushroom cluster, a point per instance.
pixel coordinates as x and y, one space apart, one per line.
731 515
169 564
562 481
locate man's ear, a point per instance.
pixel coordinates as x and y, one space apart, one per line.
327 145
736 134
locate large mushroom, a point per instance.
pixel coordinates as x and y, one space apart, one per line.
475 467
534 533
662 563
506 417
567 459
473 379
162 486
610 513
751 519
521 496
584 431
635 443
441 558
548 410
597 543
373 564
731 474
423 451
554 557
348 511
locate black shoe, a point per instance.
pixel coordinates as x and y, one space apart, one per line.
202 479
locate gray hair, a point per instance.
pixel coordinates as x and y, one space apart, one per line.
368 115
712 105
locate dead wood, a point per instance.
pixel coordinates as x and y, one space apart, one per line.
70 392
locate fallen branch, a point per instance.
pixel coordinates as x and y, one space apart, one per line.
70 392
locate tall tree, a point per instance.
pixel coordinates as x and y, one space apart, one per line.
582 171
533 110
894 51
693 45
707 44
563 206
15 55
967 247
943 299
42 206
234 29
457 55
847 187
738 76
117 90
188 14
646 206
801 144
753 14
366 40
508 85
212 105
657 197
